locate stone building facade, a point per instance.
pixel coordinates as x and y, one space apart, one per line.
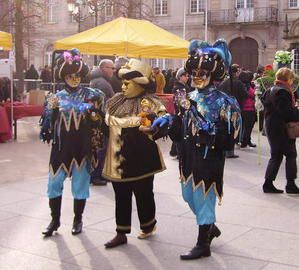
254 29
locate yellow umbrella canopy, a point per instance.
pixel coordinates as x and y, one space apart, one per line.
5 41
127 37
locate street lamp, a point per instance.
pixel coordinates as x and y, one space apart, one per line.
94 7
206 20
74 8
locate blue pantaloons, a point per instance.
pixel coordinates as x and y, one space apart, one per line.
202 207
80 182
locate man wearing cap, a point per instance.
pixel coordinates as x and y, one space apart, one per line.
133 157
72 121
180 90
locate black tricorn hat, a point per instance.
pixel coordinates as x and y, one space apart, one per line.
70 62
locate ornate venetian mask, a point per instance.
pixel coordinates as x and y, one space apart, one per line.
131 89
72 80
201 78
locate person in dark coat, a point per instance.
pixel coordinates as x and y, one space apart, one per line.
180 84
101 79
168 87
179 91
280 109
234 87
31 74
45 76
115 80
5 94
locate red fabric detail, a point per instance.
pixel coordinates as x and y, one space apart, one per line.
5 129
248 104
21 110
268 67
167 100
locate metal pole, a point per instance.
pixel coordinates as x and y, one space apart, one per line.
95 63
184 26
29 43
79 18
11 67
206 20
184 20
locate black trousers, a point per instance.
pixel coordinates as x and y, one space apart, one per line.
248 122
261 116
277 153
146 207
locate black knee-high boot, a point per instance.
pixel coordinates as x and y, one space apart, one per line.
213 232
79 206
202 248
55 206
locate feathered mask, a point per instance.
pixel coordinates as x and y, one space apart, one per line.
70 57
214 58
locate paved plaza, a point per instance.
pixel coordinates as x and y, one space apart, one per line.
259 231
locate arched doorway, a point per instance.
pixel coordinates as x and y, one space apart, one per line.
245 52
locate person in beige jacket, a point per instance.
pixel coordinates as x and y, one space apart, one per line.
160 80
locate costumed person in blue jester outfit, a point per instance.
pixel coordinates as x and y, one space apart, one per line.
72 121
205 127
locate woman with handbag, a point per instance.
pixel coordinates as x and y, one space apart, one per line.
280 109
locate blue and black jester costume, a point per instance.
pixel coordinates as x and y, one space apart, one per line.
72 121
204 128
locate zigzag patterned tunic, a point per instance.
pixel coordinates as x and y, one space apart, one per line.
72 119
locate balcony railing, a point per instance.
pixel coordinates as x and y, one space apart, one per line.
243 15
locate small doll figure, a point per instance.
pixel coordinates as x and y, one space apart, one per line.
147 116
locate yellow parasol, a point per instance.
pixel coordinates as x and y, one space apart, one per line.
127 37
5 41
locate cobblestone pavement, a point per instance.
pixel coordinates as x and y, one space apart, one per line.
259 231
